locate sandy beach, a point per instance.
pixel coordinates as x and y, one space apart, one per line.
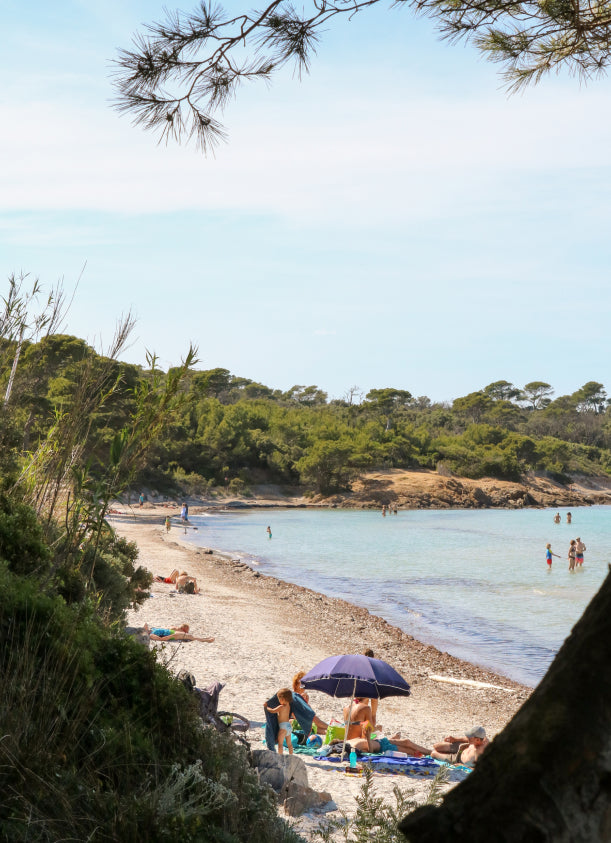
266 630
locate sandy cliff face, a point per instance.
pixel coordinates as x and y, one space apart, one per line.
430 490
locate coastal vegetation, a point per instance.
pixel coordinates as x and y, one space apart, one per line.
214 428
98 741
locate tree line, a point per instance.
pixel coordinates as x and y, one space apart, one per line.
224 429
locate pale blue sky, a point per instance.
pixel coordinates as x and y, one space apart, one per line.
394 219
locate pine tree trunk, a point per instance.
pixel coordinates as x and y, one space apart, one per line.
547 776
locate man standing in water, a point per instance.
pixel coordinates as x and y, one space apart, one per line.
579 549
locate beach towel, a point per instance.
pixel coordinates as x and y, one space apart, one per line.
304 715
411 766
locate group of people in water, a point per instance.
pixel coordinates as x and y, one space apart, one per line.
576 547
360 730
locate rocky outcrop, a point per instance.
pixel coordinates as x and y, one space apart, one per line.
287 775
278 771
434 490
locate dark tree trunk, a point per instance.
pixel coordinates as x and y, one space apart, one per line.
547 776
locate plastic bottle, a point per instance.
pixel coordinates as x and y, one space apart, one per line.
353 760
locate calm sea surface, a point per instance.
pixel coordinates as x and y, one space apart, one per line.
473 583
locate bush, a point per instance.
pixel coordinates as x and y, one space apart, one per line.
101 743
21 540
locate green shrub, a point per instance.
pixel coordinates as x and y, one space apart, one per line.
101 743
21 539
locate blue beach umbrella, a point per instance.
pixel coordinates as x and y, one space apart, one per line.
355 676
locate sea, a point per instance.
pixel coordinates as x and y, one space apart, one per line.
474 583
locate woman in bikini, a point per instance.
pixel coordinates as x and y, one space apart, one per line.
365 743
356 716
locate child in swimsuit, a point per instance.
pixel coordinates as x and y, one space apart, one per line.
549 554
285 729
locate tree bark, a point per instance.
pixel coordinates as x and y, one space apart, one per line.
547 776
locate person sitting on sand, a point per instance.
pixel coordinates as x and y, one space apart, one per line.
356 716
283 711
373 702
181 633
463 750
182 579
170 579
365 743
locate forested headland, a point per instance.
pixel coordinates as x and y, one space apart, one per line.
226 430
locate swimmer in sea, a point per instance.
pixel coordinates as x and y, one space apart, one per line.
549 554
269 532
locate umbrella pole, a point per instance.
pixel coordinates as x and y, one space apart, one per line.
347 722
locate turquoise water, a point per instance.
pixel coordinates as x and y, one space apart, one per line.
473 583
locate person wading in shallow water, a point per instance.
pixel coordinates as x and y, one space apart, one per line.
269 532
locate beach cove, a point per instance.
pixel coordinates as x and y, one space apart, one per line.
266 630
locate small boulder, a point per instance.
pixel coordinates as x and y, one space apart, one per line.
299 799
139 635
278 771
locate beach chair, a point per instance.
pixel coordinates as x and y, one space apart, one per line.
226 722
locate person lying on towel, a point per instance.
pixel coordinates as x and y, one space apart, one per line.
463 750
377 745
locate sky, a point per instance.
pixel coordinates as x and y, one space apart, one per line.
392 219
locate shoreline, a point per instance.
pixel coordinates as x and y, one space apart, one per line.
267 629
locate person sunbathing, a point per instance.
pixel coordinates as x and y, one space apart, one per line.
181 633
171 579
462 750
365 743
181 581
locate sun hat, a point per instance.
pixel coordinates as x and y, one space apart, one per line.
476 732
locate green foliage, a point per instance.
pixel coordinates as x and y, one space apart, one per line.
188 430
100 742
376 818
21 539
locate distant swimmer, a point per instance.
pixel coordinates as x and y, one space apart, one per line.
269 532
549 554
579 549
569 518
384 510
557 518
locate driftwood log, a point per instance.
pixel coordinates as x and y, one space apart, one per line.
547 777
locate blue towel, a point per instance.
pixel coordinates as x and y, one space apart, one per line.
300 710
